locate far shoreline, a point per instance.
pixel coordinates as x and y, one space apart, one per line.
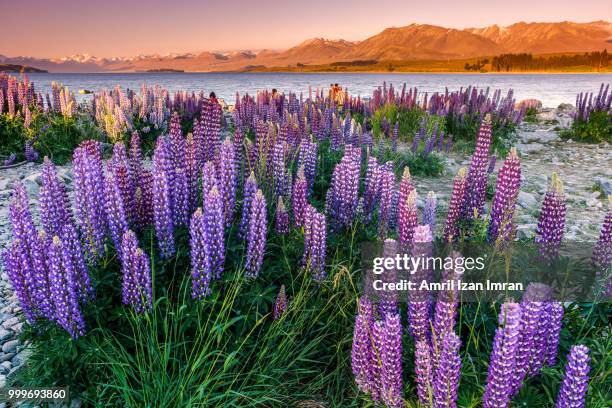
338 72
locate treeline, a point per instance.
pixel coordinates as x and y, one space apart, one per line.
527 62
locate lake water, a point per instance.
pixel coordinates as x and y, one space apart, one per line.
551 89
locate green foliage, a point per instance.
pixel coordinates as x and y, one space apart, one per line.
530 115
222 351
409 120
596 130
431 165
12 135
503 134
54 135
63 134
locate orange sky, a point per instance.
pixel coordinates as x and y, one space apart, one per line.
129 27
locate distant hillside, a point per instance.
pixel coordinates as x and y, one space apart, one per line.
19 68
414 42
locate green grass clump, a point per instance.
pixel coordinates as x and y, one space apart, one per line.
409 120
50 134
531 115
503 134
596 130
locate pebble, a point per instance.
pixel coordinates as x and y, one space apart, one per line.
10 346
10 322
5 367
5 334
6 357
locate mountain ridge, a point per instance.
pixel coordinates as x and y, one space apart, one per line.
410 42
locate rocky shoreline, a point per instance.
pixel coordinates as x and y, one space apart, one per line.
582 168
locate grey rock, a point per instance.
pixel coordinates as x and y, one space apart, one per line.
6 357
526 231
529 148
2 381
5 334
10 346
32 187
527 200
604 185
11 374
539 136
5 367
20 358
10 322
546 115
566 108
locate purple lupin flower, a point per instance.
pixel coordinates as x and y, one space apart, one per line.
279 170
89 197
9 161
282 218
343 197
215 229
429 211
552 343
423 368
64 289
177 141
391 374
576 379
602 253
387 189
136 271
394 137
364 356
372 185
446 378
492 162
135 156
388 298
315 243
445 313
532 307
193 167
143 199
451 228
378 328
201 262
477 175
226 170
31 271
419 302
15 261
162 203
360 362
181 197
256 237
506 192
209 177
249 191
551 224
73 245
280 305
503 358
308 159
55 210
30 154
120 167
115 212
298 197
540 339
407 219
